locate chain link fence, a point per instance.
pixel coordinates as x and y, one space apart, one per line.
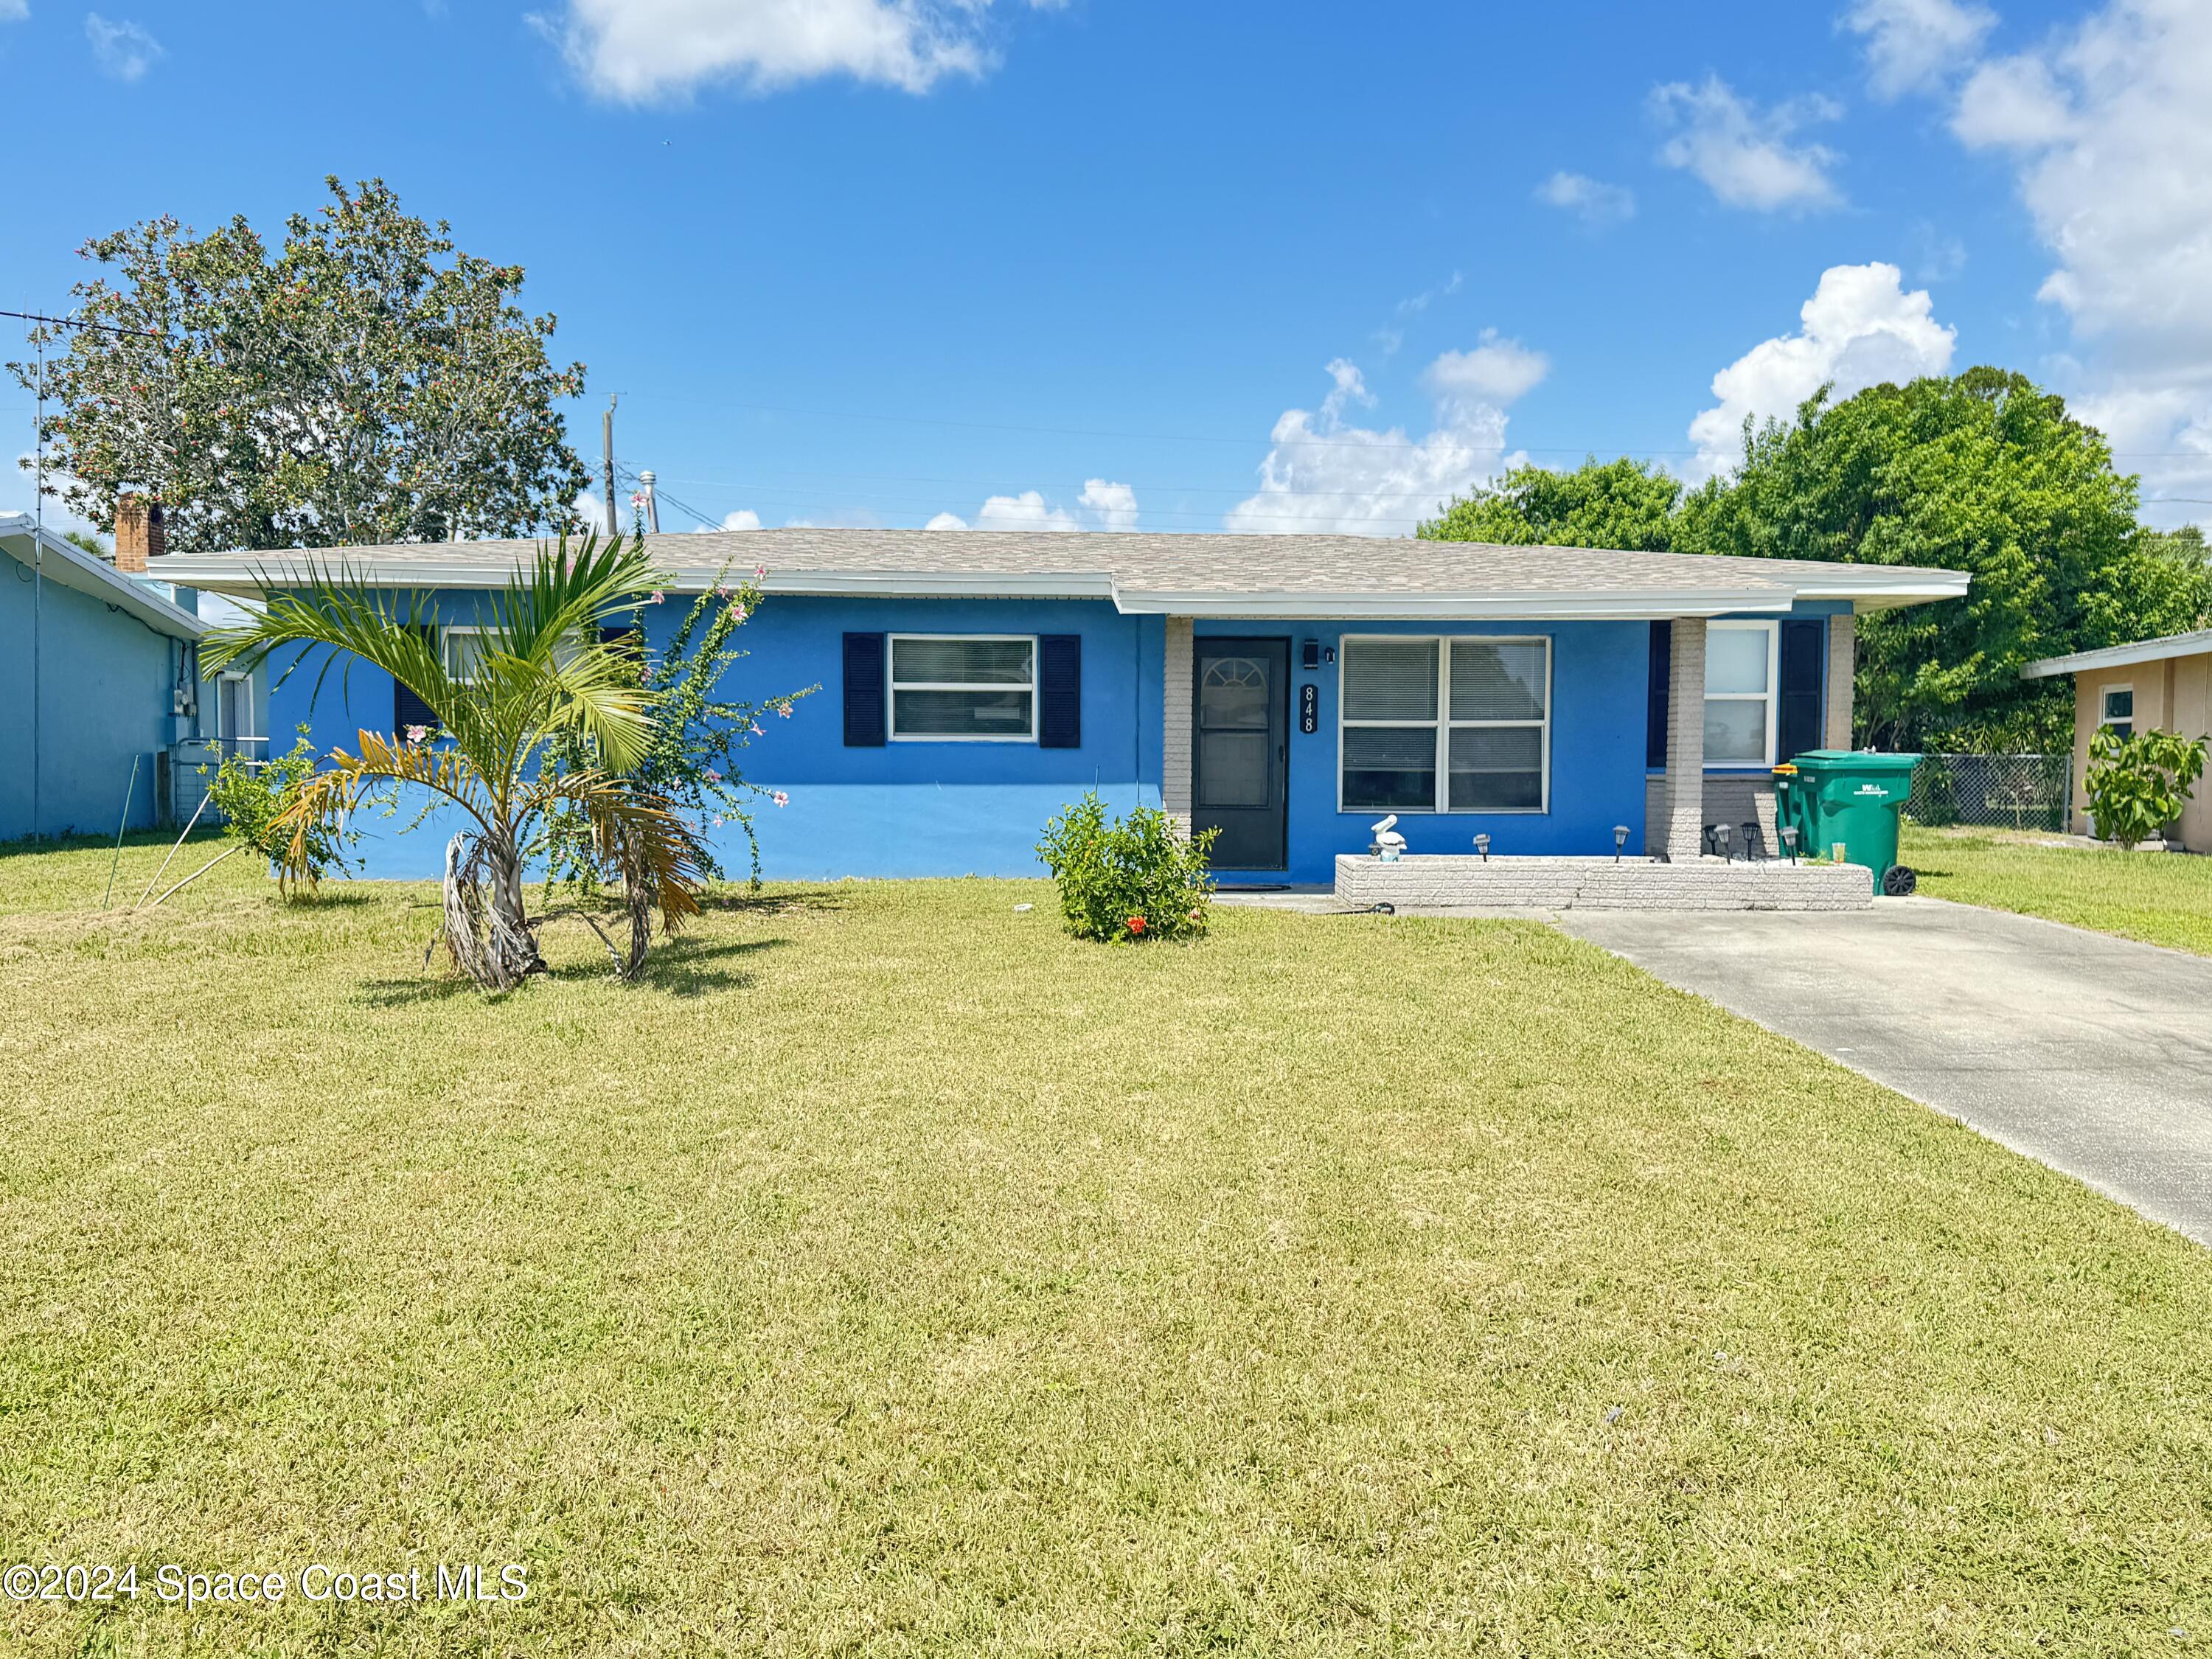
1993 791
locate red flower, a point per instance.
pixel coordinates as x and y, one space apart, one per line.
1136 924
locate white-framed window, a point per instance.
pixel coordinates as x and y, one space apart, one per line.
1444 724
962 688
235 718
1743 670
463 648
464 645
2117 710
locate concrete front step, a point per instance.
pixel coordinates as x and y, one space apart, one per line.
1599 883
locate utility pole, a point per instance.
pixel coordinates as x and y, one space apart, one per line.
607 445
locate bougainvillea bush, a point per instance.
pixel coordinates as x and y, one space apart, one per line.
1122 880
695 734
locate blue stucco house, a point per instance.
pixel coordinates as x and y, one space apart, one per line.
1288 690
100 675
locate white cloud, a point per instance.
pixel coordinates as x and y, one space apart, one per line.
1110 507
125 50
14 11
1589 200
637 51
1497 371
1324 474
1861 328
1911 44
1744 156
2012 103
2110 133
743 518
1026 511
1115 504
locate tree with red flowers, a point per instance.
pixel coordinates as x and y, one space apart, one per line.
364 382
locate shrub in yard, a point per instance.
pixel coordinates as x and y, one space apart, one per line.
253 799
2138 784
1125 879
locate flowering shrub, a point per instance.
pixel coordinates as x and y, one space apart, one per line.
1121 880
691 758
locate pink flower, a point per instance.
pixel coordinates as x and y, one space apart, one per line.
716 821
784 709
780 799
416 733
658 596
736 613
759 570
715 777
757 728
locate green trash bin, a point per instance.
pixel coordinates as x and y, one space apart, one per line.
1844 804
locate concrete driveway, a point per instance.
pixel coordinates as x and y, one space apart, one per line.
2092 1053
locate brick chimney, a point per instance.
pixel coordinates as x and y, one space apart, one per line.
138 532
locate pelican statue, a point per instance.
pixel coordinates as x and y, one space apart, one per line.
1388 843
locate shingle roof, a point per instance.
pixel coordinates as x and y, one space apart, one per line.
1216 575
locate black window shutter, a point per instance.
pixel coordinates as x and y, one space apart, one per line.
1655 708
1060 691
1799 723
864 691
407 708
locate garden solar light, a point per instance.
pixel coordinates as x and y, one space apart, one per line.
1482 846
1620 840
1721 833
1789 839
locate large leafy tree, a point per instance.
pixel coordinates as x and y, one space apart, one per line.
1985 472
1624 503
365 381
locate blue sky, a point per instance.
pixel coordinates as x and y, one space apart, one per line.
1281 267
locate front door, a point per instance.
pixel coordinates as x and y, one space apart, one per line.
1240 752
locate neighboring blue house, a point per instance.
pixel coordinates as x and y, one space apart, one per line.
1287 690
98 672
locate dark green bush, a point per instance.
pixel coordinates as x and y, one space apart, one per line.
2138 784
1126 880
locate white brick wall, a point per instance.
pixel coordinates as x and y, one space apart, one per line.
1175 746
1836 726
1587 883
1684 821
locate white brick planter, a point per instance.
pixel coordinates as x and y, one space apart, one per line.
1599 883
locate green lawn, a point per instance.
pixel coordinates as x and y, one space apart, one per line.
895 1275
2165 898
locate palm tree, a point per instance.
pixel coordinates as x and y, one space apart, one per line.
539 670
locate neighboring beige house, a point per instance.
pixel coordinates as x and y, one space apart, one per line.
2153 683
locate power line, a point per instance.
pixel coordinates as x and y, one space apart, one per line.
79 322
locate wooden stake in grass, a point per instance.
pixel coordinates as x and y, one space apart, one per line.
157 875
236 847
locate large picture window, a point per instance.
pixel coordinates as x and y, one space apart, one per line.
1445 725
1740 662
968 687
